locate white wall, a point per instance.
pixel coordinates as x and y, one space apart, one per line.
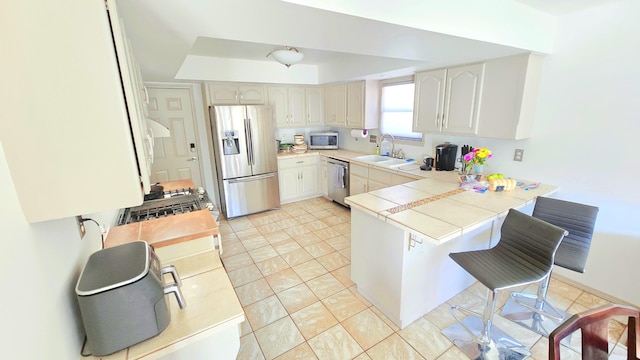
585 135
39 267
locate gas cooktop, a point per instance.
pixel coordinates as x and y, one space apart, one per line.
172 203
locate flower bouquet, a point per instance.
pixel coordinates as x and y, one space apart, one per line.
476 159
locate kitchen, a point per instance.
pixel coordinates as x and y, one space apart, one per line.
585 107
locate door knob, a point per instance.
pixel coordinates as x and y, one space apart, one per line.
193 159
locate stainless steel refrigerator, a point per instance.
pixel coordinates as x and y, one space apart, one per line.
245 154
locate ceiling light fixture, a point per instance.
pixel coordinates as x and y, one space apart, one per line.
288 56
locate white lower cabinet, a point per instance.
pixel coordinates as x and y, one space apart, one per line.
358 175
298 178
357 185
363 179
324 185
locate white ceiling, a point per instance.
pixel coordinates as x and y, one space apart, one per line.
229 39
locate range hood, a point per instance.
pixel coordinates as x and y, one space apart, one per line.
158 130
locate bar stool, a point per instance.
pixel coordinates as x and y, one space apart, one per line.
524 255
534 311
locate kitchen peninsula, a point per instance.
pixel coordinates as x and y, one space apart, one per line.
401 237
209 325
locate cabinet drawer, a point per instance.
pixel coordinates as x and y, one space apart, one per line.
380 176
358 170
295 162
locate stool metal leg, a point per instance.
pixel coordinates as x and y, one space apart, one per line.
479 339
534 312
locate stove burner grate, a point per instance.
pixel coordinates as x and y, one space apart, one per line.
172 203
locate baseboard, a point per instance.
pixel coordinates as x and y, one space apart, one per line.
591 290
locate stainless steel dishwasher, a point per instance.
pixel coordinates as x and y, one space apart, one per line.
338 180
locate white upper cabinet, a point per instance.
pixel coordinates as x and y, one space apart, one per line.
233 94
136 97
69 152
494 99
352 105
448 100
509 96
335 101
315 105
363 105
428 104
289 105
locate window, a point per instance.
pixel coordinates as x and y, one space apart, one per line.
396 108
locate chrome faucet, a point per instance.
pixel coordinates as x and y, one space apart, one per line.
393 142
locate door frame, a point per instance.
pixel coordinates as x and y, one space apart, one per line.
198 126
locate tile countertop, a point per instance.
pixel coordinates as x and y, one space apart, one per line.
437 209
411 169
165 231
211 303
177 185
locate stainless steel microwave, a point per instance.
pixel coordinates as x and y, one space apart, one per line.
323 140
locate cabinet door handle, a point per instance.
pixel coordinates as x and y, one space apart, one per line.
299 162
146 95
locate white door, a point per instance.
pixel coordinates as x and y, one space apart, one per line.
176 157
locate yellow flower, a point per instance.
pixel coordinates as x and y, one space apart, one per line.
477 156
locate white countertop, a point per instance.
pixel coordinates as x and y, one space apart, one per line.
437 209
211 303
411 169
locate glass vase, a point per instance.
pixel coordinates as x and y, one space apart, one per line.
478 169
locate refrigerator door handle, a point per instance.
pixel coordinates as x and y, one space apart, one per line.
250 130
251 178
247 137
345 173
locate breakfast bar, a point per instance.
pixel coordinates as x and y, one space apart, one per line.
401 237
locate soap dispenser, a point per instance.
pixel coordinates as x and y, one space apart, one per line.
385 148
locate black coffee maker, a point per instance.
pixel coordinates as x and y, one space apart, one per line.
446 157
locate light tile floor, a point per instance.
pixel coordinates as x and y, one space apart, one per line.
291 271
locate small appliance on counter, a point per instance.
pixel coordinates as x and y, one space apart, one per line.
428 164
446 157
121 293
327 140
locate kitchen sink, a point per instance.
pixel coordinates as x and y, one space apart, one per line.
392 162
381 160
373 158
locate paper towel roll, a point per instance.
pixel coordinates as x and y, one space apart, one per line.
359 133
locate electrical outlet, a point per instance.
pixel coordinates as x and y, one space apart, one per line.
518 155
373 138
81 228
